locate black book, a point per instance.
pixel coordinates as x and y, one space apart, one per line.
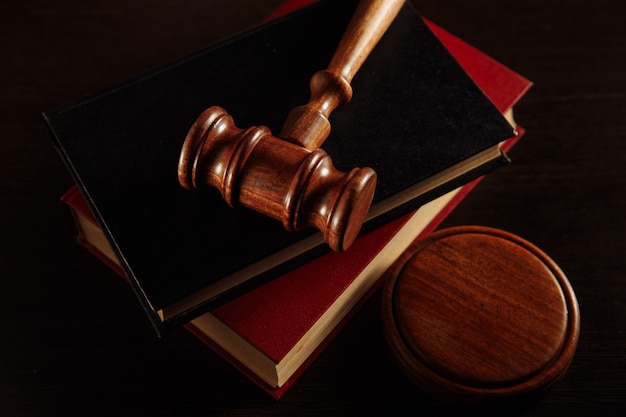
415 117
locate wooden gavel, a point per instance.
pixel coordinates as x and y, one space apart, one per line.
290 178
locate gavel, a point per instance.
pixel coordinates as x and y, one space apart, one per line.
290 178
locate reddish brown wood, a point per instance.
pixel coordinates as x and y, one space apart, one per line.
283 180
293 180
479 315
308 124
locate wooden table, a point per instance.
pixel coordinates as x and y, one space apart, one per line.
74 339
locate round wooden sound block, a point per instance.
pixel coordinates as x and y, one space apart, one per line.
477 315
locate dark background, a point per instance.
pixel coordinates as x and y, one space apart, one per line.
74 341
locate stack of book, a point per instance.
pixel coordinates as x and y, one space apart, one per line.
430 113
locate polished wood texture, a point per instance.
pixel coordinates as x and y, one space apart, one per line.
277 178
75 341
299 186
308 124
480 316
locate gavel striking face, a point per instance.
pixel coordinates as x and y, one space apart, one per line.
283 180
290 178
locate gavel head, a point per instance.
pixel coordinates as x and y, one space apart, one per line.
283 180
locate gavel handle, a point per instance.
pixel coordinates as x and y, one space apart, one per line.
308 125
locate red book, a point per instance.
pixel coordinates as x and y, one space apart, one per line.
274 332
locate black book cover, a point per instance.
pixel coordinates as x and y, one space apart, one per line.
414 114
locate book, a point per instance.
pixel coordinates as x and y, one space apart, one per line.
272 333
121 147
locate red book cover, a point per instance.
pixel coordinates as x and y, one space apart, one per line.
304 309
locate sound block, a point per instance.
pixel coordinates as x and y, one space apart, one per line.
479 316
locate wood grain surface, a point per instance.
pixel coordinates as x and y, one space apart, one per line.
479 316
